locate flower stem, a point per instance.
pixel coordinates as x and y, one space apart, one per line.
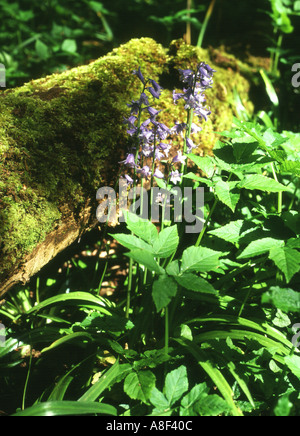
207 221
166 330
205 23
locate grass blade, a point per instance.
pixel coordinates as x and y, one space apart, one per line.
63 408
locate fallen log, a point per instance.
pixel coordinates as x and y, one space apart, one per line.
62 137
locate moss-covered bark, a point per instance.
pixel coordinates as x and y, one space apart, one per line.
61 138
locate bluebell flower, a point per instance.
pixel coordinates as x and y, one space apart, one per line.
179 158
175 176
130 160
145 172
139 74
157 173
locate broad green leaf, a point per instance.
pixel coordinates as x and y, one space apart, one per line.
284 406
167 242
163 290
139 385
188 402
281 319
42 49
293 362
287 260
173 268
243 148
262 183
65 408
144 229
293 243
285 299
199 259
194 283
131 242
69 46
176 384
145 258
259 247
290 166
225 193
206 164
273 139
158 400
151 359
193 176
230 232
212 405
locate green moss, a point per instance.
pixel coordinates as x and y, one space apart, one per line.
62 136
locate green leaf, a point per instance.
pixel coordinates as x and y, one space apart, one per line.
139 385
287 260
225 193
284 406
97 6
106 380
65 408
262 183
212 405
147 259
243 148
81 298
293 243
188 402
259 247
41 49
167 242
173 268
78 336
194 283
69 46
131 242
293 363
215 375
285 299
192 176
158 400
206 164
230 232
269 88
290 166
176 384
199 259
144 229
163 290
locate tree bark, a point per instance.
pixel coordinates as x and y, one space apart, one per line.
62 137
